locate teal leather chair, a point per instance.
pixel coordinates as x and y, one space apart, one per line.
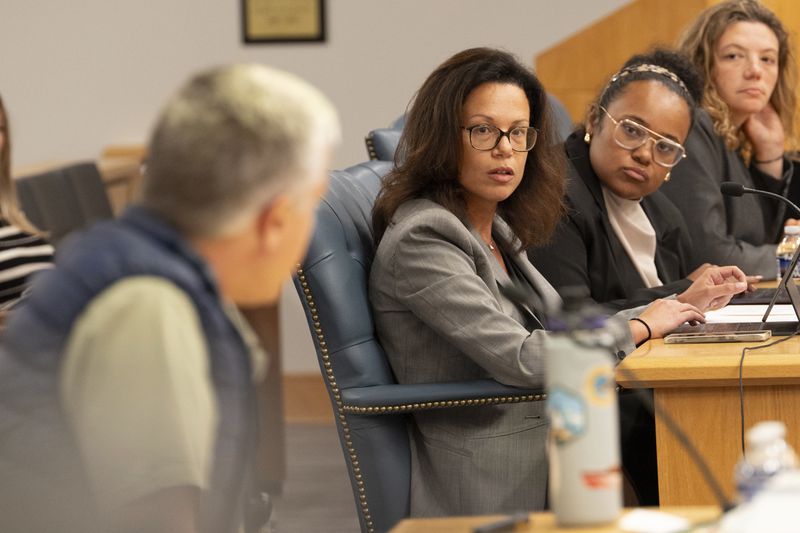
370 407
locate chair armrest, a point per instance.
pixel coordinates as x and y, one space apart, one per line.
395 398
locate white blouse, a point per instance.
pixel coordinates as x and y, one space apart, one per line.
636 234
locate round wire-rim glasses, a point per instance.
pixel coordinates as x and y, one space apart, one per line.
630 135
486 137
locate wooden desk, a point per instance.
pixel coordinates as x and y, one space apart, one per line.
539 522
698 385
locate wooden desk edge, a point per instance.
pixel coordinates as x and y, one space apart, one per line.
689 365
702 376
540 522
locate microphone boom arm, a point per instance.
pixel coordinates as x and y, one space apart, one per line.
730 188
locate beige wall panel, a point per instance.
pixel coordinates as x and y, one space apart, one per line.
585 61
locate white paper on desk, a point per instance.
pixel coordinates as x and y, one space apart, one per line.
751 313
649 521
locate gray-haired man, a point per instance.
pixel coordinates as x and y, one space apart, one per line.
126 401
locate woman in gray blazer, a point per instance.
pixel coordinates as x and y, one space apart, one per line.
479 179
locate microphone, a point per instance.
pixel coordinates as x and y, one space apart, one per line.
729 188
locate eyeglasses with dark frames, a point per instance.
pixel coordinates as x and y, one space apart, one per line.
486 137
630 135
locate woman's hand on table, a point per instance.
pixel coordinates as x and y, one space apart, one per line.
715 287
663 316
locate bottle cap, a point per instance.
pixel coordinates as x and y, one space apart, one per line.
791 230
578 312
765 432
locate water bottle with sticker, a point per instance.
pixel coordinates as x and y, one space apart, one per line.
585 483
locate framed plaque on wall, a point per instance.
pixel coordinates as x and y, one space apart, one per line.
283 21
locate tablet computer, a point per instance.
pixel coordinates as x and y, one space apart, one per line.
731 336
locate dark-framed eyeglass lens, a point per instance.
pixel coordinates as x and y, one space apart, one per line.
486 137
630 135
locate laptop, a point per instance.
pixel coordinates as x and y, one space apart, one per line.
748 331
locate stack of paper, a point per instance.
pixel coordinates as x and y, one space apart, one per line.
732 314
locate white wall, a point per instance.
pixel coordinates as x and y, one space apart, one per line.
77 76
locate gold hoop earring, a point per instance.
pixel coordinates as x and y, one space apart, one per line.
587 138
666 178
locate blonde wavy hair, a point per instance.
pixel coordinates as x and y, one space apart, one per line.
9 206
699 42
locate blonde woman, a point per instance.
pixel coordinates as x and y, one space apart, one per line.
23 250
739 135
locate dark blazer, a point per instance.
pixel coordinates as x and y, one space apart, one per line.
585 252
727 230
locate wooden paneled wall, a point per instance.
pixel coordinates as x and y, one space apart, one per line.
576 69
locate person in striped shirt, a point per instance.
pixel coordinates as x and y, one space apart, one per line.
23 248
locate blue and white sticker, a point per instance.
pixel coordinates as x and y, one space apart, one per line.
600 385
567 412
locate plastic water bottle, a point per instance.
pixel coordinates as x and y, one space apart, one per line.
766 454
786 248
585 477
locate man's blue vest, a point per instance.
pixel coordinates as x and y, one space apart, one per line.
39 459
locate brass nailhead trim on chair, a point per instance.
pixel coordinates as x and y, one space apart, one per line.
334 387
373 155
404 408
343 409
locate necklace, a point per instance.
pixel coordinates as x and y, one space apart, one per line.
491 245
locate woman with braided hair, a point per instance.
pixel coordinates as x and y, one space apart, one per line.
623 243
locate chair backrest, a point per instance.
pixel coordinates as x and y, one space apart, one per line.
382 143
561 119
64 199
332 282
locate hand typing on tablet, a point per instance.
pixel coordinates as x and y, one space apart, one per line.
661 317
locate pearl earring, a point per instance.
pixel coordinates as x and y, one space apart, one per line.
587 138
666 178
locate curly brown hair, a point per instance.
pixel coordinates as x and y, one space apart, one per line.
699 42
430 148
